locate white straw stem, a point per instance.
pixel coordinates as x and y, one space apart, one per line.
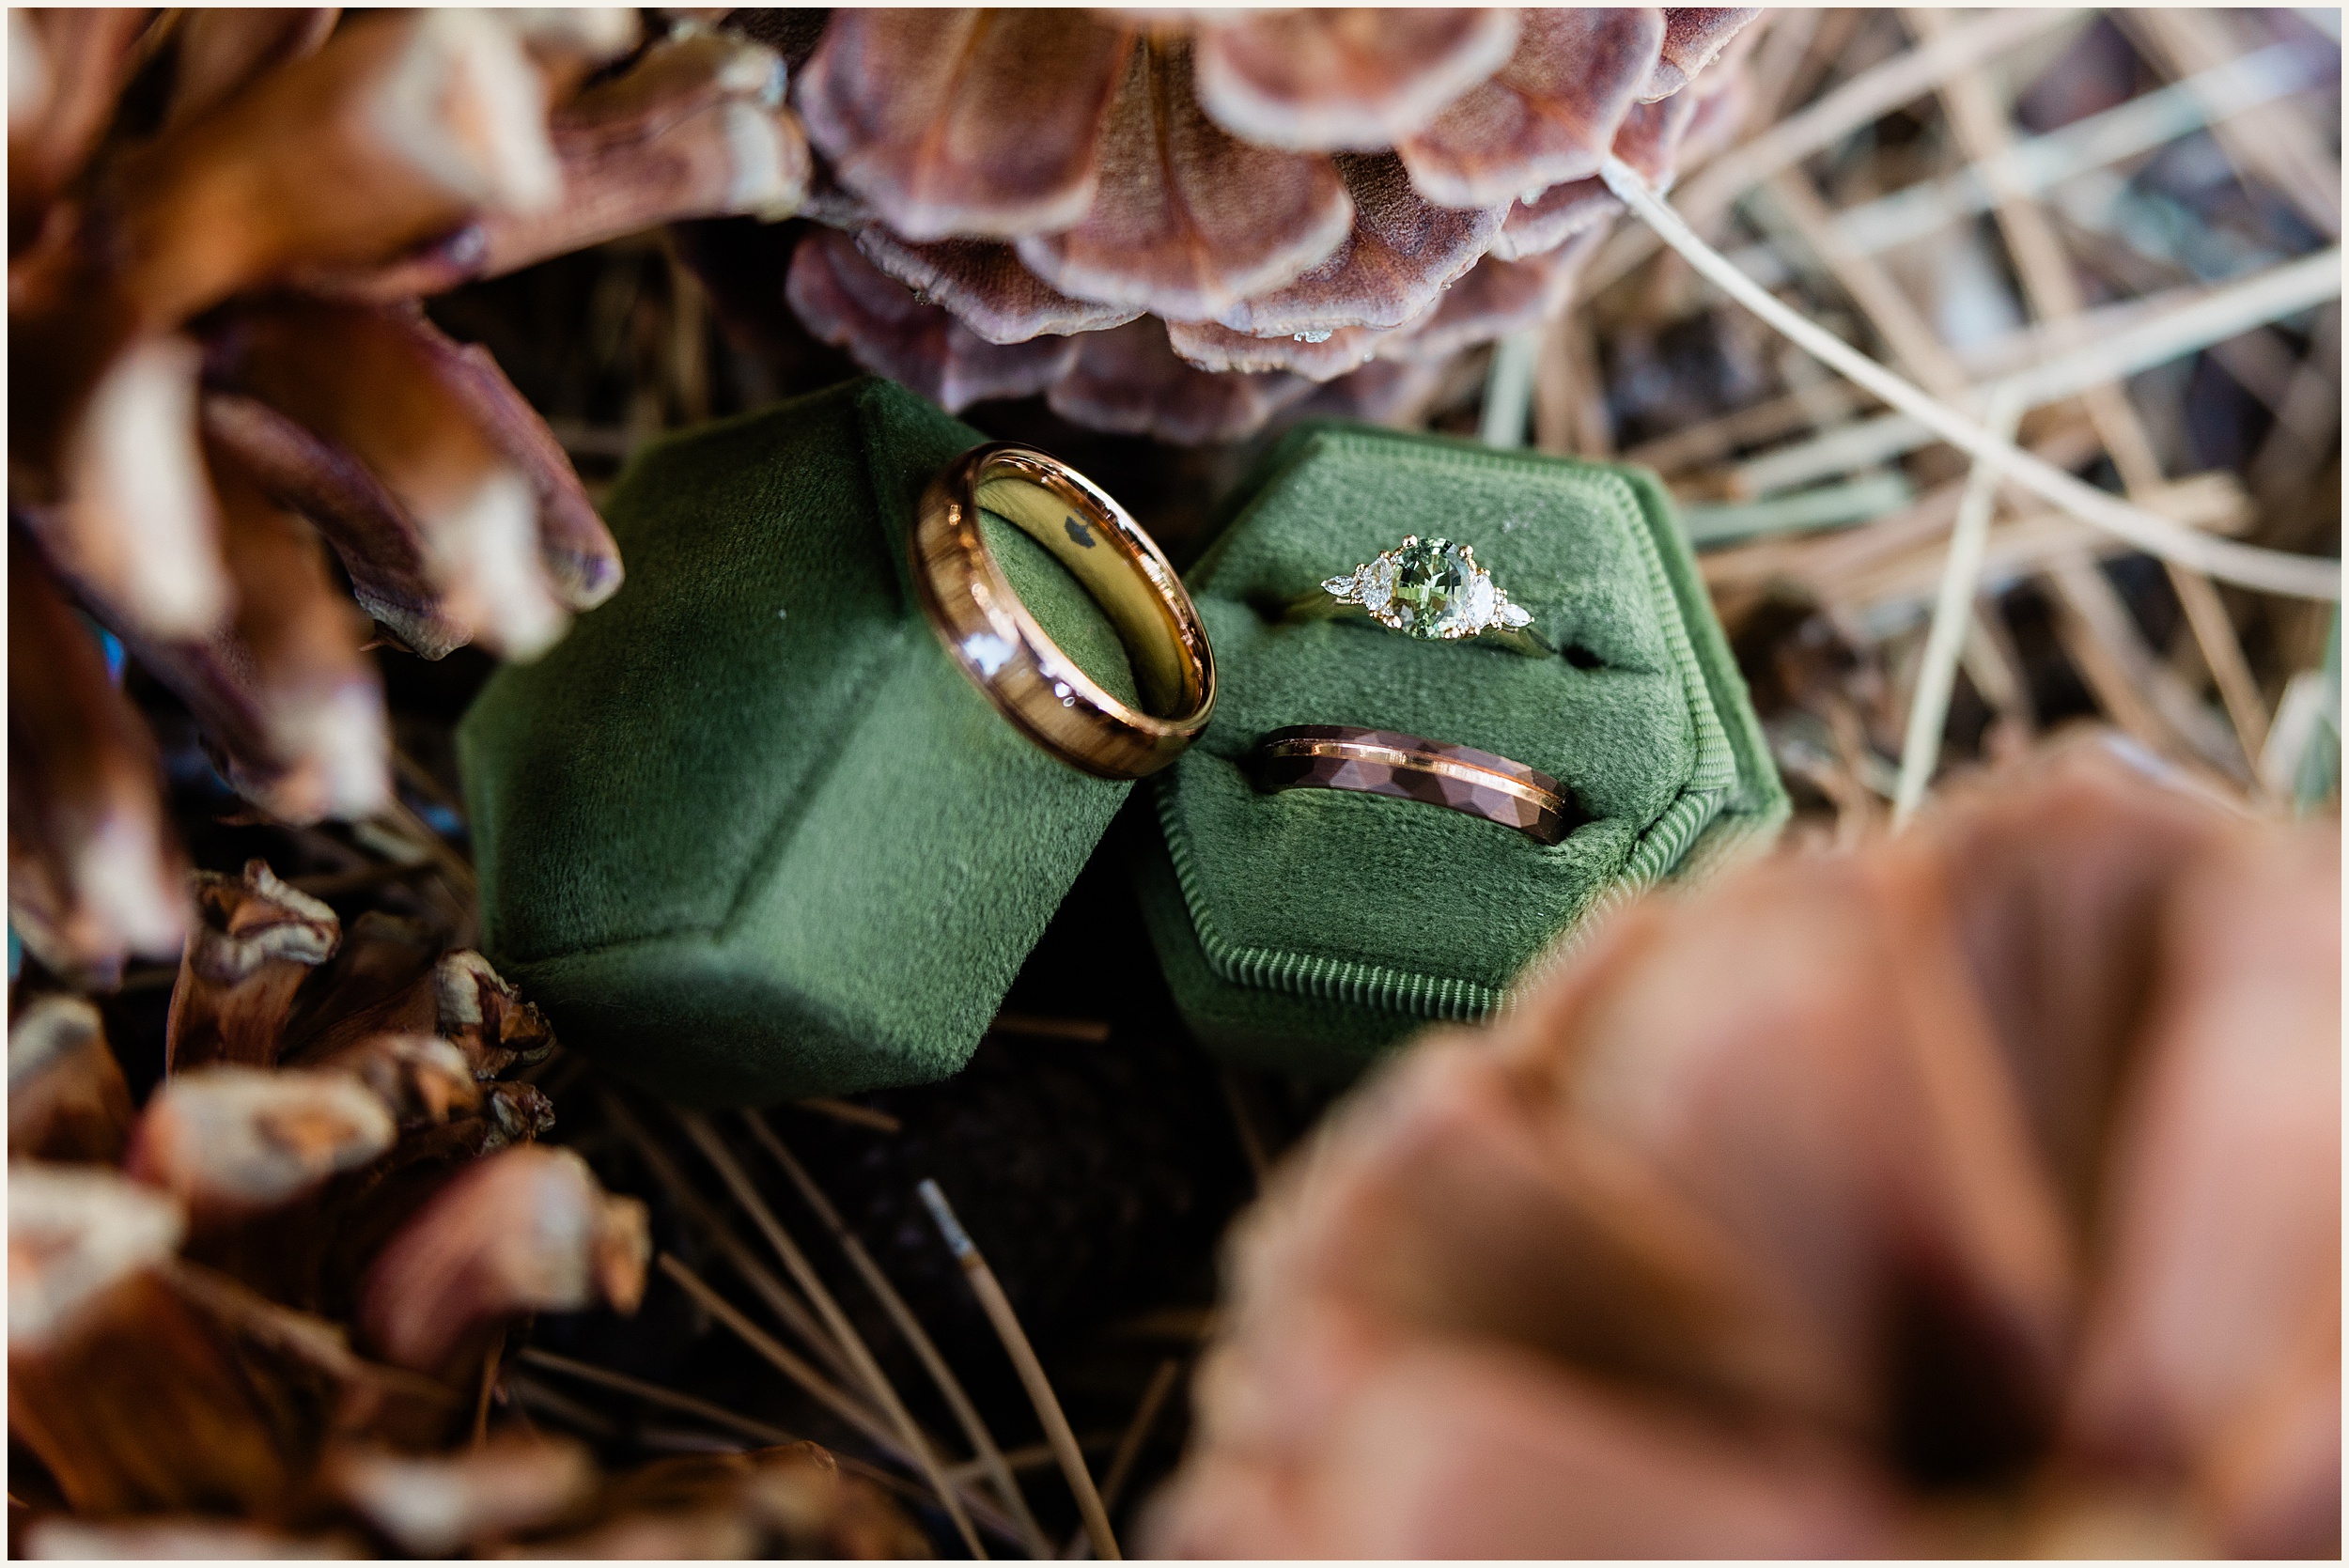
1929 708
2274 572
2041 163
2186 322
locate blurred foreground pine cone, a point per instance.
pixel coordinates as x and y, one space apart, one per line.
259 1315
1973 1194
1183 224
220 222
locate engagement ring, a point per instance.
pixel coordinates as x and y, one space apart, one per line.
1431 589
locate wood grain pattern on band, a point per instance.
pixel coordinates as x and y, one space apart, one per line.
1411 768
997 644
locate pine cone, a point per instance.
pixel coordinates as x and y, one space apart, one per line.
221 220
1974 1194
274 1292
1184 226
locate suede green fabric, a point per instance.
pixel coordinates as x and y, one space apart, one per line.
1311 928
748 833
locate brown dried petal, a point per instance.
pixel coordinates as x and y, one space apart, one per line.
514 1113
1498 298
382 551
67 66
386 385
668 83
219 51
1188 220
568 42
1471 1449
1548 116
1450 1158
1130 378
576 549
984 284
177 1388
379 982
218 679
422 1079
1856 1017
255 942
437 1505
1649 138
1388 270
1693 36
980 123
327 162
319 698
2059 911
1557 214
2212 1358
231 1142
697 130
397 130
66 1098
93 870
74 1234
188 1537
845 301
485 1016
1344 79
525 1229
138 528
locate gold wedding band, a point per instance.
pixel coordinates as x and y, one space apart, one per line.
998 643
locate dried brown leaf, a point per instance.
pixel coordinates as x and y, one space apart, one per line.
1548 116
254 943
1344 79
217 52
382 551
1393 264
384 384
1188 220
232 1142
848 301
525 1230
94 871
317 698
1130 378
973 123
486 1017
984 284
695 130
67 1097
1694 36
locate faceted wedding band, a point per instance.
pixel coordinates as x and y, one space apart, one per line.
1410 767
1431 589
997 644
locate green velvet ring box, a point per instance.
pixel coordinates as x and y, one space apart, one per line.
1310 928
747 833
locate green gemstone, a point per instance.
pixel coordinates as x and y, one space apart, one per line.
1439 592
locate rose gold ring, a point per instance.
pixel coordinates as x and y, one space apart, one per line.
1410 767
997 644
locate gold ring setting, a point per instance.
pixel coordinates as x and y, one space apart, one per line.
997 644
1431 589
